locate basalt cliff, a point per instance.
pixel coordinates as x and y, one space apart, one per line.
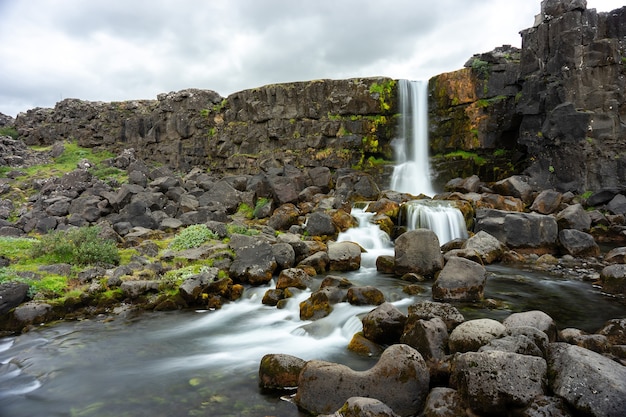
552 110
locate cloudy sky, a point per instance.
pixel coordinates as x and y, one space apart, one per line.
135 49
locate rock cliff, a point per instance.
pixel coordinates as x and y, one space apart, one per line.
328 123
555 108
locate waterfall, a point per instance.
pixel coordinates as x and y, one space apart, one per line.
439 216
412 171
369 235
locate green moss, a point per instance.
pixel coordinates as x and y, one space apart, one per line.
245 210
499 152
478 160
385 93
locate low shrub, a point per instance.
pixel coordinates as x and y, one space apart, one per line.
192 237
79 246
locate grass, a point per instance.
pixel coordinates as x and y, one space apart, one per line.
479 160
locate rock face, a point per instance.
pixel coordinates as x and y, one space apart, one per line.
308 124
553 108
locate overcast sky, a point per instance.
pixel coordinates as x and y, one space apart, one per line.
114 50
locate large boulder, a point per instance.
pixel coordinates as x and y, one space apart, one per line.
494 382
472 334
12 294
460 280
590 383
364 407
344 256
320 224
418 251
535 318
254 260
488 247
426 310
429 337
578 244
519 230
574 217
400 379
384 324
280 371
613 279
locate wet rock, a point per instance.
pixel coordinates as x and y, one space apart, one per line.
385 264
366 295
616 256
317 306
495 382
460 280
319 261
32 312
418 251
12 294
578 244
427 310
589 382
535 318
613 279
293 277
280 371
429 337
517 230
488 247
444 402
364 346
400 379
273 296
384 325
344 256
471 335
615 331
364 407
192 288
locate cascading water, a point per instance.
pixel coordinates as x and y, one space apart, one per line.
412 171
439 216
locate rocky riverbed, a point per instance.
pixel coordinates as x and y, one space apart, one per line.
283 225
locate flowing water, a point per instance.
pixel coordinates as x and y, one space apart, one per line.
412 171
205 363
445 220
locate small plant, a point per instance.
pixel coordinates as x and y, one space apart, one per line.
551 169
499 152
79 246
240 230
245 210
192 237
9 131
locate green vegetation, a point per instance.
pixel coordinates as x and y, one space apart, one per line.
245 210
384 92
240 230
219 107
480 67
80 246
192 237
9 131
486 102
586 194
478 160
499 152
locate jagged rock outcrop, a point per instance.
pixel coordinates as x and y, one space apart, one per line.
330 123
554 108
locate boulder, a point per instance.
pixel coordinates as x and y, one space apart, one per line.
518 230
547 202
517 342
12 294
283 217
319 261
444 402
384 324
613 279
535 318
344 256
426 310
494 382
364 407
135 288
590 383
280 371
254 260
317 306
471 335
488 247
418 251
616 256
320 224
617 205
400 379
32 312
515 186
191 289
429 337
615 331
272 297
574 217
460 280
366 295
293 277
578 244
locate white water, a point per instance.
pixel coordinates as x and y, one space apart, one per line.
439 216
412 171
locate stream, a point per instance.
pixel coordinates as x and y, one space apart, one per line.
200 363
